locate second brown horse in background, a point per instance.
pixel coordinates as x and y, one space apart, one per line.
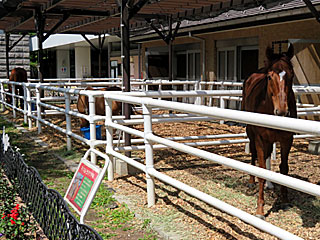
83 105
270 92
17 75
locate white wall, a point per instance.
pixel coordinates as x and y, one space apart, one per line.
63 64
56 40
82 62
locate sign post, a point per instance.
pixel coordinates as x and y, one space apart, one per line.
84 185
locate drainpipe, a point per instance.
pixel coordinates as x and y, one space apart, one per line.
203 55
200 100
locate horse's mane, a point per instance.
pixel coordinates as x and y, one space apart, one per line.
254 89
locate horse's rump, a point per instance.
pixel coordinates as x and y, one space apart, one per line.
83 104
18 75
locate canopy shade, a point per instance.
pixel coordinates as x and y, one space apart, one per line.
103 16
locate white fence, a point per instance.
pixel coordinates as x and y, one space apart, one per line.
296 125
148 141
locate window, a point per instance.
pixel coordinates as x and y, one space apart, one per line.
158 66
227 64
114 69
236 64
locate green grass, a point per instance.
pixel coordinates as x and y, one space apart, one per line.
146 223
69 154
108 222
103 197
148 237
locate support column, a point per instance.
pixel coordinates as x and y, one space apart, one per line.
82 62
128 10
139 60
101 43
7 54
109 60
126 63
170 40
100 55
40 23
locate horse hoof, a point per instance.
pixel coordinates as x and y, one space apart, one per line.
285 206
261 217
269 185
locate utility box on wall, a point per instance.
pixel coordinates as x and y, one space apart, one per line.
19 56
63 64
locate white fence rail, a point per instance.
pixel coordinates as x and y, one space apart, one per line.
297 125
190 112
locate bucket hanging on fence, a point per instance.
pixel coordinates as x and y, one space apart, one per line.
86 132
33 106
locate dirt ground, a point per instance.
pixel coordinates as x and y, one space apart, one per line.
180 216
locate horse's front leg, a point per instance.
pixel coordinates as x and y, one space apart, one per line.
253 162
262 164
284 167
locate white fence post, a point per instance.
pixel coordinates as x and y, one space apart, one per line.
274 152
109 138
68 120
222 105
25 109
185 99
147 113
38 108
160 88
13 97
93 136
29 108
198 100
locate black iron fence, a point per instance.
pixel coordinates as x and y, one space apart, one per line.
46 205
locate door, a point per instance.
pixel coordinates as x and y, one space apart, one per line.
249 57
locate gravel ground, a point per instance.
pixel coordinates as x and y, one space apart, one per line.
179 216
184 217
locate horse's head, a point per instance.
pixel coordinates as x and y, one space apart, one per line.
280 78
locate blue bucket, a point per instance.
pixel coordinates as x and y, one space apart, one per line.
86 132
33 106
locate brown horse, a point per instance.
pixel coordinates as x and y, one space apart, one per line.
83 105
270 92
17 75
